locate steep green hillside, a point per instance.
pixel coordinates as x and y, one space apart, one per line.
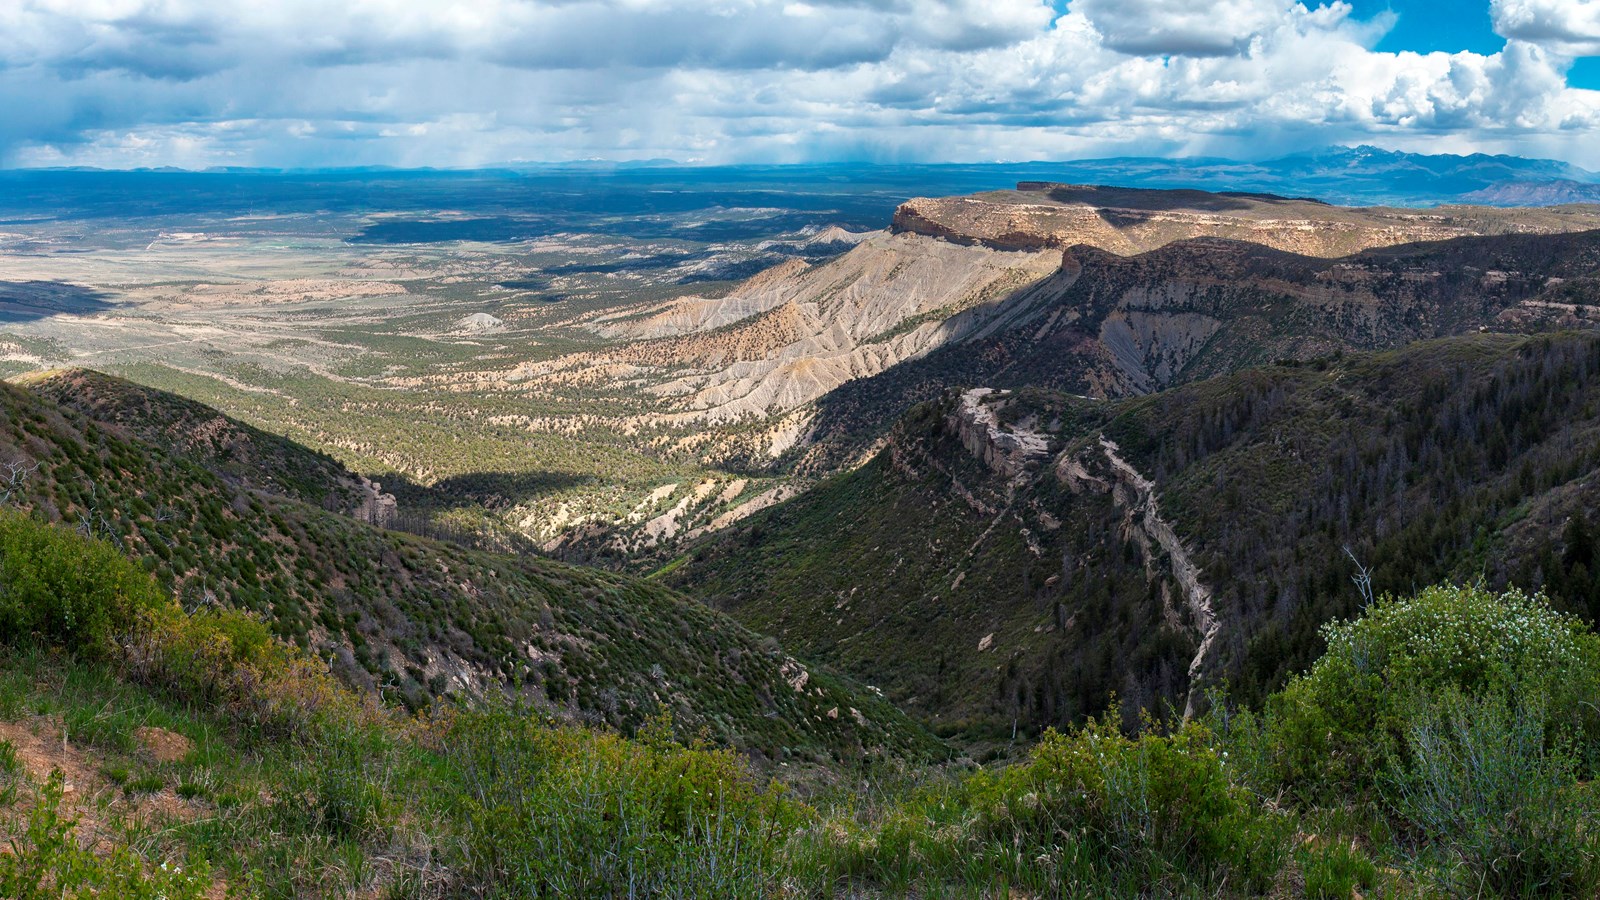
408 617
1029 585
241 454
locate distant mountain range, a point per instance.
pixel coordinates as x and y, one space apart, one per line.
1346 175
1352 175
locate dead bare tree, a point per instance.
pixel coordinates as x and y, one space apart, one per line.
160 515
1362 578
205 598
91 522
12 476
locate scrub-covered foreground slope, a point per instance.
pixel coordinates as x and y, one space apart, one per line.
1441 747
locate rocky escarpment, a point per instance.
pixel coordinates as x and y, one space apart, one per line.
1008 451
1041 215
979 221
1012 451
1112 326
1101 467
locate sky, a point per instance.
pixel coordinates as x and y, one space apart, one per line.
196 83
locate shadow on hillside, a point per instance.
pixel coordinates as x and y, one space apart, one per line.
489 229
536 282
27 301
491 489
425 510
632 264
1160 200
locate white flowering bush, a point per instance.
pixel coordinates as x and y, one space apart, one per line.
1333 727
1462 636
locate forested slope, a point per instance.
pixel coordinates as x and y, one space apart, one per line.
1018 571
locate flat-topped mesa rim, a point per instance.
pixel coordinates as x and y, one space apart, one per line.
1126 196
1045 215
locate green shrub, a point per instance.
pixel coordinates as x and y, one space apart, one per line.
148 783
81 594
1498 807
101 726
1165 800
558 811
11 772
228 658
1332 729
1336 871
349 783
1092 811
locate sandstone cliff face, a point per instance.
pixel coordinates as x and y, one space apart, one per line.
376 507
1007 451
1009 226
1126 221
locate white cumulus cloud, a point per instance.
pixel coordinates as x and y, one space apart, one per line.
1569 27
305 82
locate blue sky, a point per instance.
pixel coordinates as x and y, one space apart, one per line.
124 83
1428 25
1451 26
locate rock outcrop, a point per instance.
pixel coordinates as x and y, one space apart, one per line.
1007 451
479 323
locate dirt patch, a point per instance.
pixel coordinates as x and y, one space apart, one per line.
89 796
164 746
41 748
